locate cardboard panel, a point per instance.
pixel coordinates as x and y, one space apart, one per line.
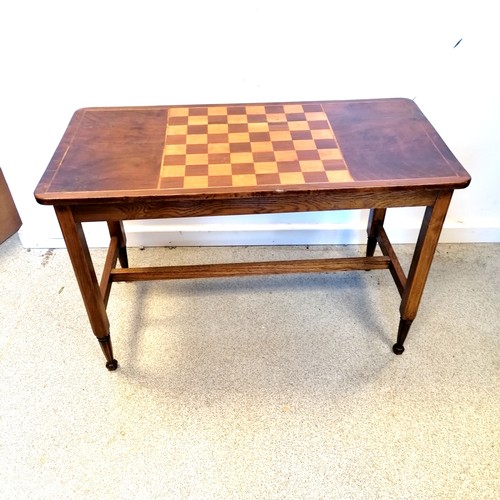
10 221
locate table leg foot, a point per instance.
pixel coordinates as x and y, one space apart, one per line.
404 328
398 349
107 349
112 365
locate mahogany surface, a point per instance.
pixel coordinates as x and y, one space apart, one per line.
116 164
114 154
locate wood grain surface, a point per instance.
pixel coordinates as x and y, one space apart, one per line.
225 151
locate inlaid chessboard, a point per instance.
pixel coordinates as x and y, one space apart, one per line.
249 147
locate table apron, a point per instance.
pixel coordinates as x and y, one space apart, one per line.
302 202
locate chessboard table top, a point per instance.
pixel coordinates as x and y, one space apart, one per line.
229 150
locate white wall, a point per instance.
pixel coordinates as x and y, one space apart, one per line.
57 56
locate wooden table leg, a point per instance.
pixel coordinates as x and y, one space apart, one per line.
87 281
377 216
419 269
116 229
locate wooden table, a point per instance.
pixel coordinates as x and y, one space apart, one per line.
116 164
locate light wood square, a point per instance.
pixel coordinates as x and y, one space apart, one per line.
338 176
218 147
197 159
304 145
325 133
241 157
276 117
311 165
196 139
244 180
217 111
261 147
239 137
218 128
266 167
177 130
330 154
197 120
196 181
299 125
237 119
178 112
173 171
316 116
258 127
290 178
175 149
293 108
220 169
285 155
255 110
280 135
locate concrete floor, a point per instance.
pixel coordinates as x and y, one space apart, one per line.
261 387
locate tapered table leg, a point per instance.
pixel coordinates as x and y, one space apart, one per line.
377 216
87 281
107 350
404 328
421 262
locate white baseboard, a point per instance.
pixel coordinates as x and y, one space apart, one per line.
293 234
259 234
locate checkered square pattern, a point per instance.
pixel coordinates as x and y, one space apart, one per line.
250 146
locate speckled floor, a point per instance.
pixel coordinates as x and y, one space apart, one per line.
260 387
